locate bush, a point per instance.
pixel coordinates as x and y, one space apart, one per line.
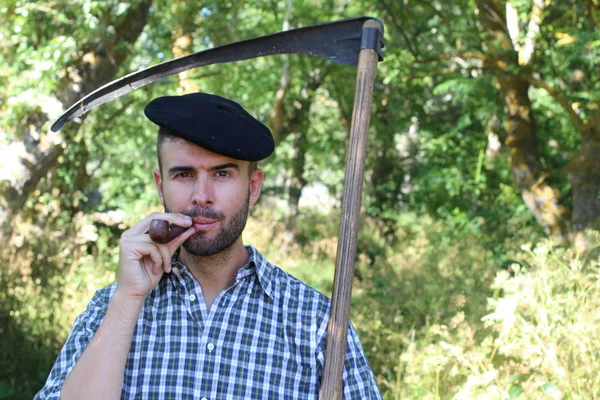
538 339
547 325
442 315
440 312
48 279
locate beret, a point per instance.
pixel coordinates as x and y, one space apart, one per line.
214 123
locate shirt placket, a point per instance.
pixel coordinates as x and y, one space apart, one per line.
185 288
215 327
190 293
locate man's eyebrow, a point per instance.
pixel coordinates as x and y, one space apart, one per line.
223 166
181 168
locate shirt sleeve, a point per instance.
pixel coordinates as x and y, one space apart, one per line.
84 328
358 380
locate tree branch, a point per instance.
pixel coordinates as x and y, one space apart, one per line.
560 99
447 57
278 111
392 14
443 72
498 64
593 124
591 10
526 51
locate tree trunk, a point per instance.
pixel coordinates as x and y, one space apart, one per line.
102 58
584 174
297 181
39 151
278 117
529 176
393 165
295 121
183 43
298 125
32 166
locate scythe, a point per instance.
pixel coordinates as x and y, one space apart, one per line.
357 42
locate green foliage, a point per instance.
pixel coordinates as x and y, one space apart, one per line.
432 280
545 320
440 315
42 296
440 221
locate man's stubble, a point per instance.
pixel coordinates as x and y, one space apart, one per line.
199 245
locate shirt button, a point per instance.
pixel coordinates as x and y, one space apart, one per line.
204 398
210 347
192 297
250 291
176 270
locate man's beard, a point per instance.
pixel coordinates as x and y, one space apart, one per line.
199 245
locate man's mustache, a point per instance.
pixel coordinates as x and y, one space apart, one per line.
207 212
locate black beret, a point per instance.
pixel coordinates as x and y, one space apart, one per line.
213 123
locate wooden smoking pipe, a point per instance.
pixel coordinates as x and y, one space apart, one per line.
162 233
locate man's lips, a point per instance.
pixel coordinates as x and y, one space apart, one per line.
203 223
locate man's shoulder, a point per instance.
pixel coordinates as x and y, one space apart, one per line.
286 287
290 283
301 305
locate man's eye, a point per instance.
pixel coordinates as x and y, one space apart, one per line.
183 175
222 174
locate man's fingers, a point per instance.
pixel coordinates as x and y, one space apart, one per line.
166 258
144 248
160 254
157 259
174 244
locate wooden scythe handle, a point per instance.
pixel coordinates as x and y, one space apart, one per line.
331 384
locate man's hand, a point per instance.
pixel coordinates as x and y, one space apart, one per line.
141 261
98 374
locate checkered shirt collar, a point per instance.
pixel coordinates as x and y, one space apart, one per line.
256 264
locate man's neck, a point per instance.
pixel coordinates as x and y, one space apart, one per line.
217 272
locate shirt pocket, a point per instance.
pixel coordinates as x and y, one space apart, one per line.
282 373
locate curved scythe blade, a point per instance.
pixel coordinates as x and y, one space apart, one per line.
337 41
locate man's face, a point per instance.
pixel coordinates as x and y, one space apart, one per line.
215 190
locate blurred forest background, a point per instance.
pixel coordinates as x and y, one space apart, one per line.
477 273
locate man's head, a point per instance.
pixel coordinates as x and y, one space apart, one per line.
208 148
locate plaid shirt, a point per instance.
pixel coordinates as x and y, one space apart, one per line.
263 338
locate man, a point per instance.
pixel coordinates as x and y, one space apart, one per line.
203 316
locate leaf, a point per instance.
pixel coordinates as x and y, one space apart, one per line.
6 390
565 39
515 391
515 378
550 389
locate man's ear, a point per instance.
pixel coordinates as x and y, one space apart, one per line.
256 182
159 186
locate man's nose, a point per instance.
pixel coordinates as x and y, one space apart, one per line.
204 194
